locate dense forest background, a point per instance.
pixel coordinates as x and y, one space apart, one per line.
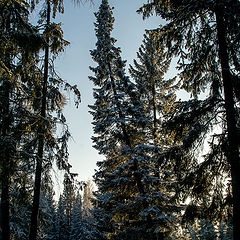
170 167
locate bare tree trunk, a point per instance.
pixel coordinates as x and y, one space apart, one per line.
233 152
41 132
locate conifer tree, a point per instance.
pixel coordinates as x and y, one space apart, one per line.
68 198
20 198
127 202
50 147
87 199
62 229
159 98
202 34
77 219
47 209
29 95
16 33
82 221
157 94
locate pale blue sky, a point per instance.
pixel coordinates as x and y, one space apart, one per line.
73 65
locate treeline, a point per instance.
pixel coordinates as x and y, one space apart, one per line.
65 218
171 167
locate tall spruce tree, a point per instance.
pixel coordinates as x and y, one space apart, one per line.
203 35
127 202
159 97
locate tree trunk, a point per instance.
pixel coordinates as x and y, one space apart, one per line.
5 157
41 133
233 152
154 114
0 218
5 218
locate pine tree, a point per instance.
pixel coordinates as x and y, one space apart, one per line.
202 35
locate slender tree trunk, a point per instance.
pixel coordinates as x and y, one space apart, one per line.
5 217
233 152
5 157
1 238
154 115
155 142
41 133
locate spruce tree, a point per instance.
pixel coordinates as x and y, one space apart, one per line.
30 94
47 220
157 93
159 97
62 229
68 198
202 35
87 199
15 53
127 202
77 219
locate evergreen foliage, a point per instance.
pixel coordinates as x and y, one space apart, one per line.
202 34
171 167
27 131
14 93
129 204
77 219
156 93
